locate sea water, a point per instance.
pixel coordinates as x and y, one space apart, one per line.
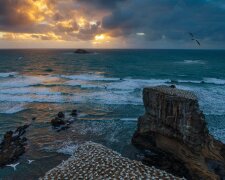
105 86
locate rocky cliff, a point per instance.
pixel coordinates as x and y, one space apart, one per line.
174 130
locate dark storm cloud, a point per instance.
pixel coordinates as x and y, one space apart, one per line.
21 16
9 15
102 4
169 19
157 19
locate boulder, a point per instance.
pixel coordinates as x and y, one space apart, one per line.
57 122
174 129
12 145
61 115
74 113
173 86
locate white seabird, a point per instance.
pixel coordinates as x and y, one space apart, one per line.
30 161
13 165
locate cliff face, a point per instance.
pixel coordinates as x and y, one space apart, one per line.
174 128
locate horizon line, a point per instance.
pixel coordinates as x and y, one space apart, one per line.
112 48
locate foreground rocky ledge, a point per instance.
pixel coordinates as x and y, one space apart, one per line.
174 129
13 145
94 161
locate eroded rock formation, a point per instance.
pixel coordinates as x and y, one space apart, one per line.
13 145
174 129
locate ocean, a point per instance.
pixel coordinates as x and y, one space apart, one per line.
105 87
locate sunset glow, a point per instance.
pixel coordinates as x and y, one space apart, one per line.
86 23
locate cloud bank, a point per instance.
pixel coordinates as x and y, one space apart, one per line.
101 22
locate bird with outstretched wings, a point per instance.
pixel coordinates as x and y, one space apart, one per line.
194 39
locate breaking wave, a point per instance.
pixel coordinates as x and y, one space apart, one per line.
189 61
11 108
10 74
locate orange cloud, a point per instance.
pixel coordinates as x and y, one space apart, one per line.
49 19
29 36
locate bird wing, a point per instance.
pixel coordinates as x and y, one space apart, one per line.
30 161
13 166
198 42
191 34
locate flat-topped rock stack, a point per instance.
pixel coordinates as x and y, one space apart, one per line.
93 161
174 129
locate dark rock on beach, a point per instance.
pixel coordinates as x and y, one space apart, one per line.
173 86
48 70
13 145
61 115
57 122
174 129
61 122
81 51
74 113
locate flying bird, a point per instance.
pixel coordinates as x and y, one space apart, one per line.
30 161
194 39
13 165
191 34
19 58
197 42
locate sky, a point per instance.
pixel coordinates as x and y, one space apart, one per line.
112 24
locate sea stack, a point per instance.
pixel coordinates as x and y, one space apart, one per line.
174 129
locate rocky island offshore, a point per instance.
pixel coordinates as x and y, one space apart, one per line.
174 129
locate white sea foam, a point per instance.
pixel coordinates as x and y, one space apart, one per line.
132 84
204 80
214 81
11 108
68 148
64 147
190 81
219 134
29 90
9 74
125 84
189 61
114 97
129 119
211 99
89 77
34 98
91 86
101 97
84 84
21 89
24 81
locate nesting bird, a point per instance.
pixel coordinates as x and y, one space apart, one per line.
94 161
